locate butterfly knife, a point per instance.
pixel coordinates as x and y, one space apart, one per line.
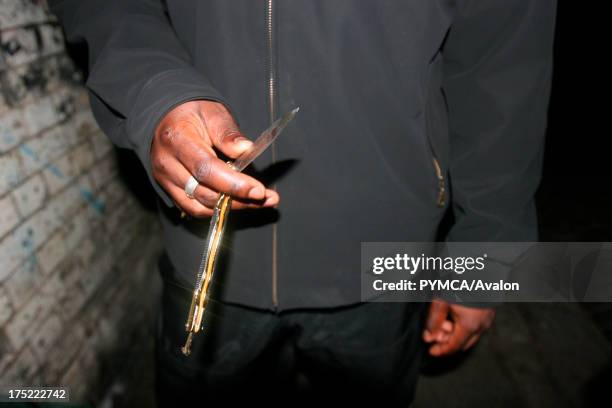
217 226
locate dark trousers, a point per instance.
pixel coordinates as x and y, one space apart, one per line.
359 354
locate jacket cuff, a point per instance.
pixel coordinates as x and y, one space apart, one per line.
448 298
494 271
160 95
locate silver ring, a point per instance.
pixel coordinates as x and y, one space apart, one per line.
190 186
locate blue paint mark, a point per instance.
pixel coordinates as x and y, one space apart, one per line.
55 170
86 194
89 197
30 249
29 152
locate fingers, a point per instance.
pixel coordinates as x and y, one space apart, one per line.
472 340
445 332
186 204
438 313
176 176
461 330
454 343
272 198
458 340
184 144
217 175
210 171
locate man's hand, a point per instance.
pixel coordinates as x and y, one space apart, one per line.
452 327
186 143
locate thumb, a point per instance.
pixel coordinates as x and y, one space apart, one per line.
223 130
438 312
232 142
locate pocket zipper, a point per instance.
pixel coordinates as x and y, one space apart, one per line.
441 201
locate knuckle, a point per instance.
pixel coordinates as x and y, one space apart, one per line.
158 163
236 187
207 197
228 134
203 169
168 135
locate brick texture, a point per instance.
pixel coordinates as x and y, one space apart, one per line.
68 223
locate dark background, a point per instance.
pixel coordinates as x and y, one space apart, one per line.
574 199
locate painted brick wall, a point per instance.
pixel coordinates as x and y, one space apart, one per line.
68 224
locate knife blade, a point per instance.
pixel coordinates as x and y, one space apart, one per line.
264 140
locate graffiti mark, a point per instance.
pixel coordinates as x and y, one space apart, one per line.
55 170
95 203
27 150
86 194
30 249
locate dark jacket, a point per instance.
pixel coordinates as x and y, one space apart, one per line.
406 106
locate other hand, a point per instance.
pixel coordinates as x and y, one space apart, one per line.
453 327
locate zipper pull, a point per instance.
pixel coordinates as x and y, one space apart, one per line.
441 201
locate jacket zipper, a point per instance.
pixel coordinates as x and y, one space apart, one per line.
441 201
272 111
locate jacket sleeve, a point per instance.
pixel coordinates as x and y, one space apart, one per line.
138 69
498 71
497 77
